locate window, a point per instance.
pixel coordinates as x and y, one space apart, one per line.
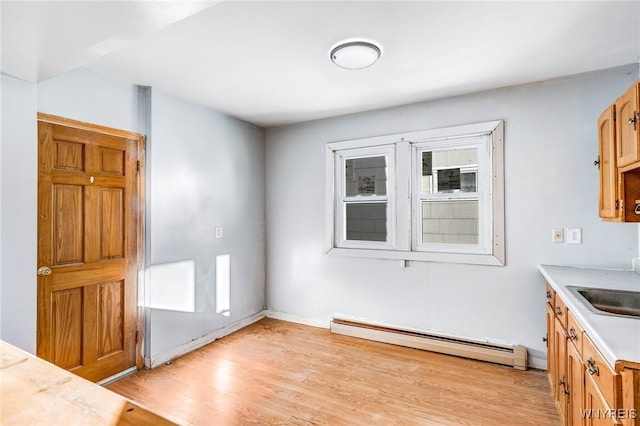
365 200
435 195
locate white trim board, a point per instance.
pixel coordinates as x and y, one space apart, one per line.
284 316
202 341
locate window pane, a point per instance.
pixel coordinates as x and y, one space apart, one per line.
450 222
366 176
468 182
366 221
449 170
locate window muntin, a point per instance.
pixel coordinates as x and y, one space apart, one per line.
365 206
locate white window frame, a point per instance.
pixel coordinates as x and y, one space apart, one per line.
482 194
342 200
404 228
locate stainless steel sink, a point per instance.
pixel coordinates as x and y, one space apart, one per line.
612 302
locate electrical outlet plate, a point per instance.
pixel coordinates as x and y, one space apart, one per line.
557 235
574 235
218 231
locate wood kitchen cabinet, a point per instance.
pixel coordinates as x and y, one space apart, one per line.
619 158
608 169
587 390
575 388
551 362
627 123
575 372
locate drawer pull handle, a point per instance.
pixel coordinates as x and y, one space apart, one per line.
572 334
548 295
565 391
592 368
558 310
561 382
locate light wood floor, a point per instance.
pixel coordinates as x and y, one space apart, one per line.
276 372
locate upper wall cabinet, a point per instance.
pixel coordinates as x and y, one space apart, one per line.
609 203
628 121
619 158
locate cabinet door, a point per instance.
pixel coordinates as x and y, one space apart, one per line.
561 367
551 351
596 411
575 385
627 123
608 166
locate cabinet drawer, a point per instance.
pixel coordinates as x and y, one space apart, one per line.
607 380
551 296
561 311
575 333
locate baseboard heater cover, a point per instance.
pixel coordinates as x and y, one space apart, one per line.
512 355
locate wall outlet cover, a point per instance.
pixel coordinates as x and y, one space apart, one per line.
574 235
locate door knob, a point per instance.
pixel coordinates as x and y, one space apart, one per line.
634 120
44 271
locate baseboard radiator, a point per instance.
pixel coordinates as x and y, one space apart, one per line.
512 355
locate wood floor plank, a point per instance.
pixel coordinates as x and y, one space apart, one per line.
280 373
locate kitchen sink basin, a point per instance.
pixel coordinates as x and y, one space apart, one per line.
612 302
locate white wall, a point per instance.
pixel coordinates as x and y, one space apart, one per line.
207 170
204 169
18 215
92 97
550 145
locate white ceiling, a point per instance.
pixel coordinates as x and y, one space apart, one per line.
268 62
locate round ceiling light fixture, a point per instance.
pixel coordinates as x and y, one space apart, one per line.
355 54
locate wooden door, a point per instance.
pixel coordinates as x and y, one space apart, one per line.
89 245
627 124
608 203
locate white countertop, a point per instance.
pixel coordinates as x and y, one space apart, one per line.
617 338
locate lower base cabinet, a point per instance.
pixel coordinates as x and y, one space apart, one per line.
586 389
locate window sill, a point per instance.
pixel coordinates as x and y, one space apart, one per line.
469 259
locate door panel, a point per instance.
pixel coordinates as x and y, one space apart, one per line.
67 327
68 224
89 206
112 161
110 317
68 156
112 223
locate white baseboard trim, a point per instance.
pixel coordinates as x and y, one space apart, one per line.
313 322
153 362
538 363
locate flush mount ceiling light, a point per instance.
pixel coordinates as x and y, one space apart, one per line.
355 54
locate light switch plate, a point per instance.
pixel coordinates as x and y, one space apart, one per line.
574 235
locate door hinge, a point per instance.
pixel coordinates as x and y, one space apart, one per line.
614 115
617 205
137 335
138 165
